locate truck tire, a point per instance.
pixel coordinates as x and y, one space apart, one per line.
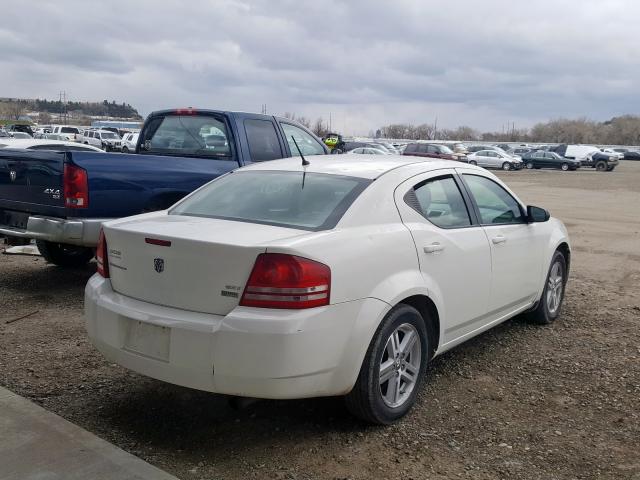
601 166
64 255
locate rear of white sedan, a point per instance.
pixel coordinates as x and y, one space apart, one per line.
288 281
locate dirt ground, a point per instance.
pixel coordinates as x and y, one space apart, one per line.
521 401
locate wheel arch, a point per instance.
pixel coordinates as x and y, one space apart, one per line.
563 247
430 315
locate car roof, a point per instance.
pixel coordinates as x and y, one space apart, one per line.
364 166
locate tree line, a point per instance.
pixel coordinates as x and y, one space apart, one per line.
14 108
624 130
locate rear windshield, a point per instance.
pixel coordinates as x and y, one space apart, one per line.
311 201
201 135
108 135
68 130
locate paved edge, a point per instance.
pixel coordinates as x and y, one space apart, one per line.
38 444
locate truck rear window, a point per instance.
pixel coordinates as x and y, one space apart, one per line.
311 201
201 135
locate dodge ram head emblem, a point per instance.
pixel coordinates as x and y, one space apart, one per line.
12 175
158 264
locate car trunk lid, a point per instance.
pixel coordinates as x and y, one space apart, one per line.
191 263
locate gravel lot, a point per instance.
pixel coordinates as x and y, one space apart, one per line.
520 401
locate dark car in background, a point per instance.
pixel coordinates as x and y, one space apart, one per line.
543 159
431 150
632 155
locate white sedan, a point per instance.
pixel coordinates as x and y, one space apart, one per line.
342 277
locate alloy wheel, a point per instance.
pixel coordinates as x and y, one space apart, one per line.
555 287
400 365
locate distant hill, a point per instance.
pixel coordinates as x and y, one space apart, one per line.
104 108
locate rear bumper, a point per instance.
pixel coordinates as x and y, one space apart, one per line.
250 352
81 231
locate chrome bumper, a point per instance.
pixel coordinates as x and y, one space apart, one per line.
80 231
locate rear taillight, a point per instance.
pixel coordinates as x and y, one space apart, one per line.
286 281
186 111
76 187
102 256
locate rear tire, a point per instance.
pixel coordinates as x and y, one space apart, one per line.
393 367
64 255
550 304
601 166
506 166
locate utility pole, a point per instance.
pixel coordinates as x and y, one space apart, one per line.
330 128
435 128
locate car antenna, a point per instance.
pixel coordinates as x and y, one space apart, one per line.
305 162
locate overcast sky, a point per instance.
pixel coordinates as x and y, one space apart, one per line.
368 63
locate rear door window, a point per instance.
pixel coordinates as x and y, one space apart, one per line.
262 139
441 202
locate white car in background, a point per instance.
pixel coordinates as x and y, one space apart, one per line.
368 151
494 159
129 142
613 153
105 139
46 144
342 277
70 132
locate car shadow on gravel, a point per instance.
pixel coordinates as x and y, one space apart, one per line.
48 278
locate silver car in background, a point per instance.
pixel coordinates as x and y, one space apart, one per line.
494 159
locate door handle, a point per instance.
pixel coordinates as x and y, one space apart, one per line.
499 239
433 248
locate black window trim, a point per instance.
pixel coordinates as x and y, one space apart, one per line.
473 217
477 209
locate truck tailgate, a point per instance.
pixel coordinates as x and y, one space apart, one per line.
30 182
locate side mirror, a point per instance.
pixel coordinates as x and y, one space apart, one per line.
537 214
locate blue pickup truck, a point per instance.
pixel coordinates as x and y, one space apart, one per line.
61 198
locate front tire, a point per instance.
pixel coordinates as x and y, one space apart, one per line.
601 166
564 167
393 367
550 304
506 166
529 165
64 255
473 162
125 150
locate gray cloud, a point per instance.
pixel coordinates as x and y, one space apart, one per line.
367 62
